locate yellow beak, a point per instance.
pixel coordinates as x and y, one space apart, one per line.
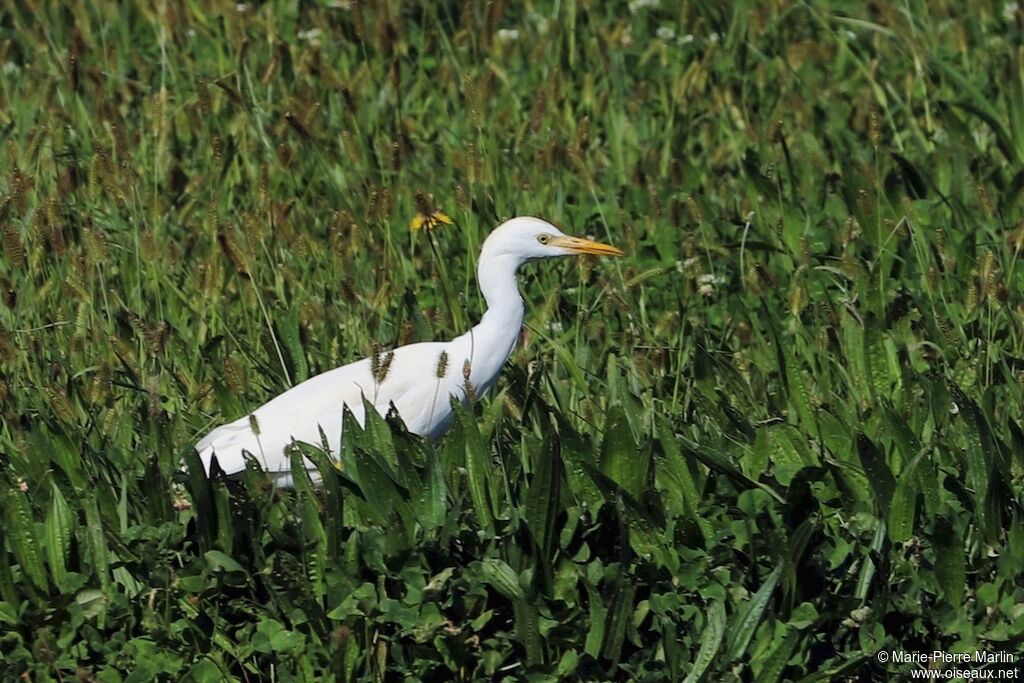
585 246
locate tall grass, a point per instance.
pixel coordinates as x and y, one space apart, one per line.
782 435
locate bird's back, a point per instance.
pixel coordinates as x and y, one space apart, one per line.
407 378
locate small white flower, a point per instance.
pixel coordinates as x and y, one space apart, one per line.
707 283
714 38
312 35
508 35
687 39
10 68
242 7
1010 10
637 5
666 33
850 35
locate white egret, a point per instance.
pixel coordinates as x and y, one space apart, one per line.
418 379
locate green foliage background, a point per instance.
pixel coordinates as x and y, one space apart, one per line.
782 434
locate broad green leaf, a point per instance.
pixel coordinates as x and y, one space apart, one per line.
750 616
20 530
877 471
431 501
798 392
620 611
478 467
59 531
596 620
527 621
775 662
286 326
543 497
92 601
904 500
676 476
621 460
502 577
950 569
710 642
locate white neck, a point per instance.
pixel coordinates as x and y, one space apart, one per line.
494 338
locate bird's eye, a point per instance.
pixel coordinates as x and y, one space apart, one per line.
544 238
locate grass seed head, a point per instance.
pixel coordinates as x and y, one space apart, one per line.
298 126
14 249
985 200
74 73
467 372
60 405
203 98
234 376
874 127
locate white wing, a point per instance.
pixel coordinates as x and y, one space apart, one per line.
299 414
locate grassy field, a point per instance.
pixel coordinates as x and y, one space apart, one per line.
784 434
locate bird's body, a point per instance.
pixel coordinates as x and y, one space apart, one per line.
418 380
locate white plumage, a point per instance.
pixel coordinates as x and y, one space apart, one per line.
410 382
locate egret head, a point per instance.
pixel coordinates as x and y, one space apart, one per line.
528 239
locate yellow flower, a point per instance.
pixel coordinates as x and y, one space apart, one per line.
427 215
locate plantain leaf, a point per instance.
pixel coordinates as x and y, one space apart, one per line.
950 567
431 501
904 501
478 467
59 530
621 460
877 471
620 612
748 619
710 642
20 530
543 497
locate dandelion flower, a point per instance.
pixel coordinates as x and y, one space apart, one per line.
427 215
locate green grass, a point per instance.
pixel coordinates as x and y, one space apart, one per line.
783 434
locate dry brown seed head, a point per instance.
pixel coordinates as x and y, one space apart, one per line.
229 90
203 94
985 200
874 127
298 126
74 73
